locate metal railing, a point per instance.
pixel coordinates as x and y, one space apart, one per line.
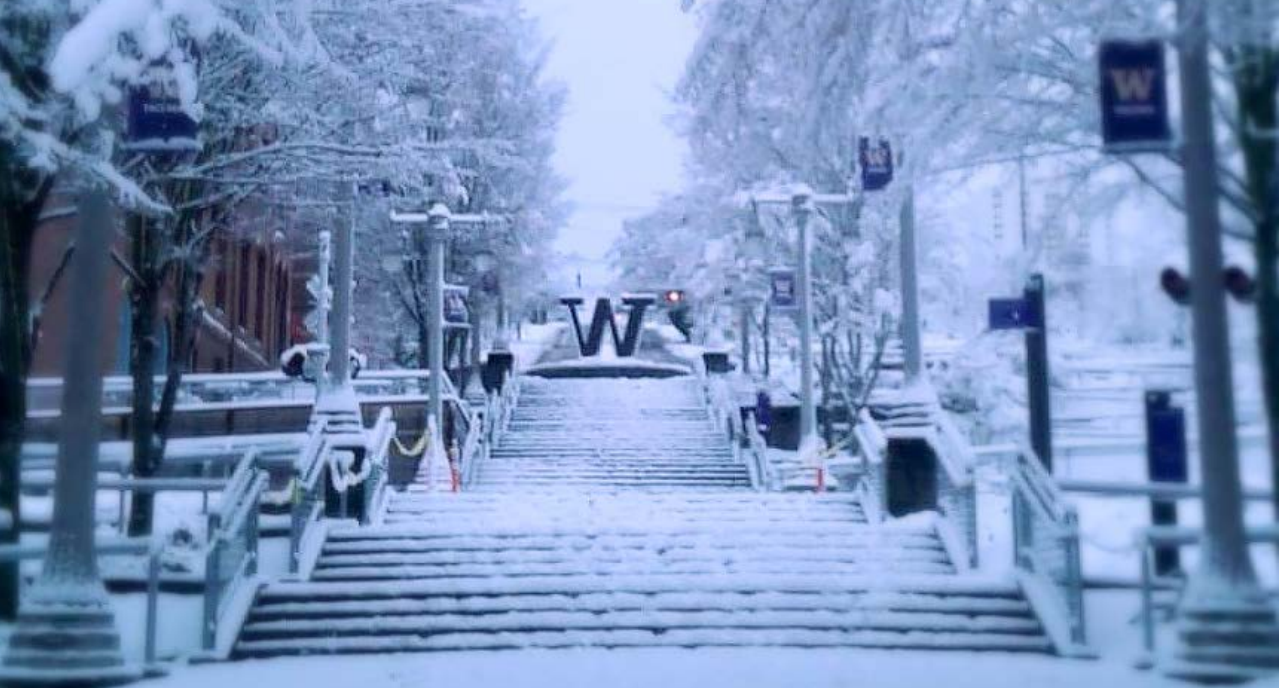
308 495
1046 542
957 494
873 448
147 547
231 557
727 418
117 390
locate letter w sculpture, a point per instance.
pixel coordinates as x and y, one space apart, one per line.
603 315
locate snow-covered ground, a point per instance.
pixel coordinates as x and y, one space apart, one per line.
674 668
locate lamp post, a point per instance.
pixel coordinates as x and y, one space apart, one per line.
801 211
437 226
1226 624
66 632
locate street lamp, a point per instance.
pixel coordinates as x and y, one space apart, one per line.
801 211
66 631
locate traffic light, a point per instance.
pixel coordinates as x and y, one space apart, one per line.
1176 286
1239 284
678 312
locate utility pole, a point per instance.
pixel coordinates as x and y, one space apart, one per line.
1226 626
66 631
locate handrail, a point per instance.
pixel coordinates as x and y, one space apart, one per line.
307 504
1047 547
871 439
954 452
378 455
727 418
759 451
470 444
231 555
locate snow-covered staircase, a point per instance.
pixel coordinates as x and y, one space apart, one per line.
611 434
612 516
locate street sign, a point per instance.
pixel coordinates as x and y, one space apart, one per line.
1166 439
1011 314
1135 107
157 121
782 289
876 163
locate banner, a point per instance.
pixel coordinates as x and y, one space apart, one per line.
1135 108
157 123
782 289
876 163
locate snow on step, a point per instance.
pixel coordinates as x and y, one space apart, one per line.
612 514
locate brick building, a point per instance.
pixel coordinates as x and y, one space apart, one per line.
248 300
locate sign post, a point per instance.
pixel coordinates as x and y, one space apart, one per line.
1028 314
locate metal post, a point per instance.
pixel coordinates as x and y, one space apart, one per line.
1223 592
66 627
340 318
438 227
802 208
911 348
767 347
1037 341
1022 200
319 352
746 337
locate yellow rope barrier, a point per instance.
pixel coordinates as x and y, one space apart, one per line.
417 449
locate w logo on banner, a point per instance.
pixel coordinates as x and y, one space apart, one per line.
1131 80
876 163
625 345
1133 85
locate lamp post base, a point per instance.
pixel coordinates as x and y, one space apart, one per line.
66 635
1224 638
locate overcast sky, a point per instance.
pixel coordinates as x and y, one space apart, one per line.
619 59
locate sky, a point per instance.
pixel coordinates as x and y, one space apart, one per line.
619 59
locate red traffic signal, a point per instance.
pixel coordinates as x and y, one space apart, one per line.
1240 285
673 296
1176 286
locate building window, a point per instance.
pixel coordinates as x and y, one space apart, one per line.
282 308
242 287
260 301
221 265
